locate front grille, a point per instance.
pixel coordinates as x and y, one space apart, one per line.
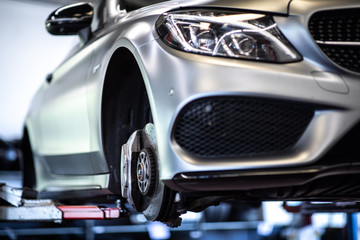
337 32
228 127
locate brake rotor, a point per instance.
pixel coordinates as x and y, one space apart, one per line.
146 172
140 183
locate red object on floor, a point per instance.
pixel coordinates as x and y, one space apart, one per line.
88 212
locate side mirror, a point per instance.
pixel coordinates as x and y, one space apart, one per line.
70 19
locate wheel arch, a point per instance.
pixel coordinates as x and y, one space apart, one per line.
27 163
125 106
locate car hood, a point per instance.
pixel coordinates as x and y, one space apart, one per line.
308 7
278 6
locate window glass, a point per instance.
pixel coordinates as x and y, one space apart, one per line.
135 4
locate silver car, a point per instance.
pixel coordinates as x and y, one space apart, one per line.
180 105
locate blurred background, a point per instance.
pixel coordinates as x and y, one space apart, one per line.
27 54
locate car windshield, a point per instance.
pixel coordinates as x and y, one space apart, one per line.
135 4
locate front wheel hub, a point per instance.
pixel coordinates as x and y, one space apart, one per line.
145 172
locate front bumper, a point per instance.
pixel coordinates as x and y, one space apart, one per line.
326 176
174 79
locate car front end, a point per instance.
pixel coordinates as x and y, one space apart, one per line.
274 111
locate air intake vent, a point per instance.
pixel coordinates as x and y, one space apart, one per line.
337 32
228 127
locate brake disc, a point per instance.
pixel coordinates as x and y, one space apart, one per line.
143 190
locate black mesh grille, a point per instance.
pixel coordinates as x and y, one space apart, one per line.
226 127
346 56
338 26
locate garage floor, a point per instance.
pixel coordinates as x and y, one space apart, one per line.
133 227
226 221
120 229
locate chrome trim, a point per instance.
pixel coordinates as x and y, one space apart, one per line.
249 174
338 43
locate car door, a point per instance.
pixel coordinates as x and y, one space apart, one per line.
64 120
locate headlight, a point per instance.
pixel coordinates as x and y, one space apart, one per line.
226 34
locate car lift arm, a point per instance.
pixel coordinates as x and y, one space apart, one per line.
21 209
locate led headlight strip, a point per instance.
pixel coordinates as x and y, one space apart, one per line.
226 34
